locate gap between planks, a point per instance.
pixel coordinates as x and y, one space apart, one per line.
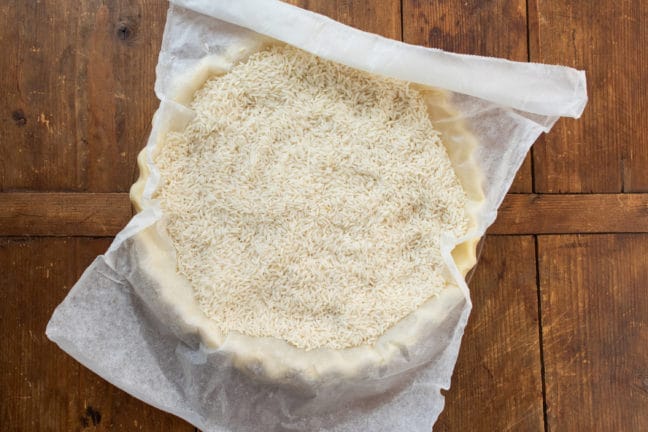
105 214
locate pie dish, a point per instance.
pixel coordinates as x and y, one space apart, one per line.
274 360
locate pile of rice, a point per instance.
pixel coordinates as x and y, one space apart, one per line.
306 200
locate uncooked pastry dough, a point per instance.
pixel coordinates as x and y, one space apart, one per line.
272 358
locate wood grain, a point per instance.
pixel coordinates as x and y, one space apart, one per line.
63 214
494 28
78 97
497 385
595 331
607 149
77 88
97 215
382 17
41 388
562 213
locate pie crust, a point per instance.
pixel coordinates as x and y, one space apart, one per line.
270 359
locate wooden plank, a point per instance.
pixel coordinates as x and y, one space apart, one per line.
523 181
41 387
607 149
497 384
562 213
595 331
63 214
382 17
77 87
97 215
495 28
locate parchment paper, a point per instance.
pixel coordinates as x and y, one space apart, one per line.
107 323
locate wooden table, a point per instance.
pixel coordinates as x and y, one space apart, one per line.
558 338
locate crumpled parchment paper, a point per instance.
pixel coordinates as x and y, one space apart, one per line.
107 325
